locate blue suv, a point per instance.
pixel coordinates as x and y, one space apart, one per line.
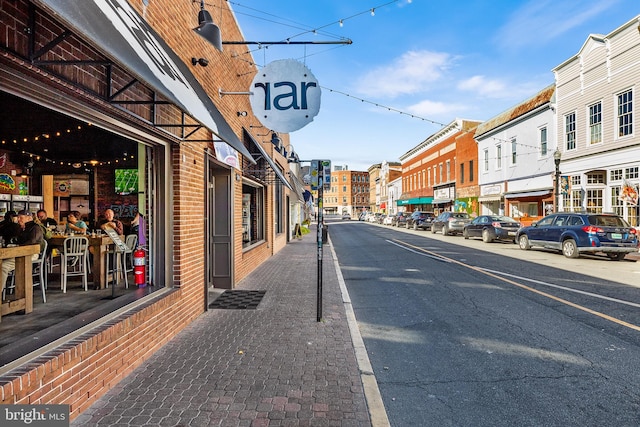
577 233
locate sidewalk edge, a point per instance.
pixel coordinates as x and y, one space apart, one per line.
377 411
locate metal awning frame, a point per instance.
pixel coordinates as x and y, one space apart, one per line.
188 124
270 174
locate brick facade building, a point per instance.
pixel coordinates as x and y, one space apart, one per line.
210 219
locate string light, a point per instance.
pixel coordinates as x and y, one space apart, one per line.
414 116
47 136
340 22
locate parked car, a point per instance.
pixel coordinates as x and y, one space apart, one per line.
346 215
419 219
388 220
374 217
362 216
492 227
450 222
400 219
577 233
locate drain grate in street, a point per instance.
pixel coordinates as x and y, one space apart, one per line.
238 300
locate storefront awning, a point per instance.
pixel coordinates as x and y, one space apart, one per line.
492 198
269 161
383 205
116 29
415 201
441 201
523 194
298 187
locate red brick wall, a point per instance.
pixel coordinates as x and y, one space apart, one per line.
79 372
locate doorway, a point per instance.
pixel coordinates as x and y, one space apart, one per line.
218 223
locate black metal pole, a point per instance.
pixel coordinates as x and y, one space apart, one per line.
320 235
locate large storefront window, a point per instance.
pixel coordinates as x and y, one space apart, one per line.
252 213
72 168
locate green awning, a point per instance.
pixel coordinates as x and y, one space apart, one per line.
416 201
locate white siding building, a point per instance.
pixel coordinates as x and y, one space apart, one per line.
515 159
596 123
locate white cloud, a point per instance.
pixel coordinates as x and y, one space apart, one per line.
541 21
427 108
485 87
408 74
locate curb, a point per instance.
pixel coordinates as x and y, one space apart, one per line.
377 411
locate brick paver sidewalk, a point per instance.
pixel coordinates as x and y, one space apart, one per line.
273 366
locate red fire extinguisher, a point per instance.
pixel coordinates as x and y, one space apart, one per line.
139 268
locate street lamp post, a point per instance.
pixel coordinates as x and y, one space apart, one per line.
556 158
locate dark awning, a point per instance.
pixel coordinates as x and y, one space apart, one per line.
116 29
269 161
298 187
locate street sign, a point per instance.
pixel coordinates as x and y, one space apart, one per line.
320 174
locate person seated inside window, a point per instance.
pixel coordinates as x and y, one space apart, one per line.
45 220
30 234
75 224
9 227
110 221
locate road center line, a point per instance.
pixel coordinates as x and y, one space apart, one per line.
564 288
412 248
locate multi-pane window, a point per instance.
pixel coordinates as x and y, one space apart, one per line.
594 200
631 173
486 160
498 156
570 131
576 193
576 200
595 123
514 151
615 175
625 113
448 170
617 205
595 178
543 141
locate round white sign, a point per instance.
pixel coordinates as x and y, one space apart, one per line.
285 96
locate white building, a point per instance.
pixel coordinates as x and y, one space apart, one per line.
596 123
515 159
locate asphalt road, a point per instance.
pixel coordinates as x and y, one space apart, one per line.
464 333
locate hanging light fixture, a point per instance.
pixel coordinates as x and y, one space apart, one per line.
207 29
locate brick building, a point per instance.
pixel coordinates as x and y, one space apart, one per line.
433 171
349 192
100 86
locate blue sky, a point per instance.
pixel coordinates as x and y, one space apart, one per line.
436 60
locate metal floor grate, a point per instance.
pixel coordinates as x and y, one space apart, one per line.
238 300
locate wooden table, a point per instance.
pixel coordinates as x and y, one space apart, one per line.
100 245
23 278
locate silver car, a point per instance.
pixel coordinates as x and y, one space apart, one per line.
450 222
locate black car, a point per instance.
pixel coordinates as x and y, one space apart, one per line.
400 220
492 227
450 222
577 233
419 219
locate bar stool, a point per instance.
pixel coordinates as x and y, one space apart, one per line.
75 259
120 260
